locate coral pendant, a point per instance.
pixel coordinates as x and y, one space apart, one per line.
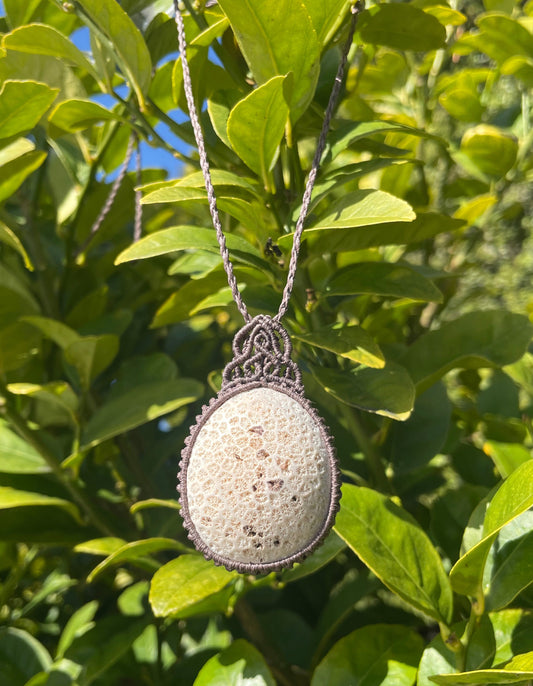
258 482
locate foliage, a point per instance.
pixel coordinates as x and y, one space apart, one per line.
409 321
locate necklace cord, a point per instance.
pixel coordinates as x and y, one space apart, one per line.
306 199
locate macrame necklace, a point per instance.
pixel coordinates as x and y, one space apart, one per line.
259 483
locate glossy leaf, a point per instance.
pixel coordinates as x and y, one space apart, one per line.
363 208
415 442
518 670
100 546
133 551
506 456
10 238
56 394
490 338
154 503
277 38
326 16
185 582
22 104
179 238
396 549
21 656
55 330
78 624
382 278
12 498
90 355
43 39
509 567
388 392
139 405
16 171
403 27
238 665
513 630
377 654
513 497
327 240
17 456
256 125
77 115
127 41
351 342
492 151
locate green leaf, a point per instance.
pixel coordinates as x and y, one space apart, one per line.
403 27
518 670
14 172
506 456
133 551
437 658
362 208
321 241
56 331
90 355
10 238
256 125
21 656
22 104
185 582
388 392
99 648
351 342
490 338
238 665
509 566
396 549
513 630
139 405
18 13
347 134
380 654
11 498
154 503
80 622
383 278
277 38
77 115
492 151
17 456
326 17
57 394
100 546
43 39
179 238
513 497
18 343
417 441
127 42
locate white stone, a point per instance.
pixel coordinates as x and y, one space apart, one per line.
259 478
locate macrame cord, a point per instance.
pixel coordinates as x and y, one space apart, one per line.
261 360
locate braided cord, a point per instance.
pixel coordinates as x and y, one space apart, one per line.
204 164
306 199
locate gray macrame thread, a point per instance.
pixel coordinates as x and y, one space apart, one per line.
262 347
133 144
204 164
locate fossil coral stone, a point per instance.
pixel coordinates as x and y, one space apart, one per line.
259 477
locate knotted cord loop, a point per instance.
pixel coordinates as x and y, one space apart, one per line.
262 352
204 164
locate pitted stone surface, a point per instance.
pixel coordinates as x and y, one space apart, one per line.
259 478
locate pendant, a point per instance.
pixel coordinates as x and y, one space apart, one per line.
259 483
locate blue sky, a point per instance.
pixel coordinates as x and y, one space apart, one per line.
151 157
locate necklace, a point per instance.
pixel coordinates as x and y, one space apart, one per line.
259 483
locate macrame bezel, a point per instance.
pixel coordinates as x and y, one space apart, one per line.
240 377
335 493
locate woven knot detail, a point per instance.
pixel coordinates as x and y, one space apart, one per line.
262 352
